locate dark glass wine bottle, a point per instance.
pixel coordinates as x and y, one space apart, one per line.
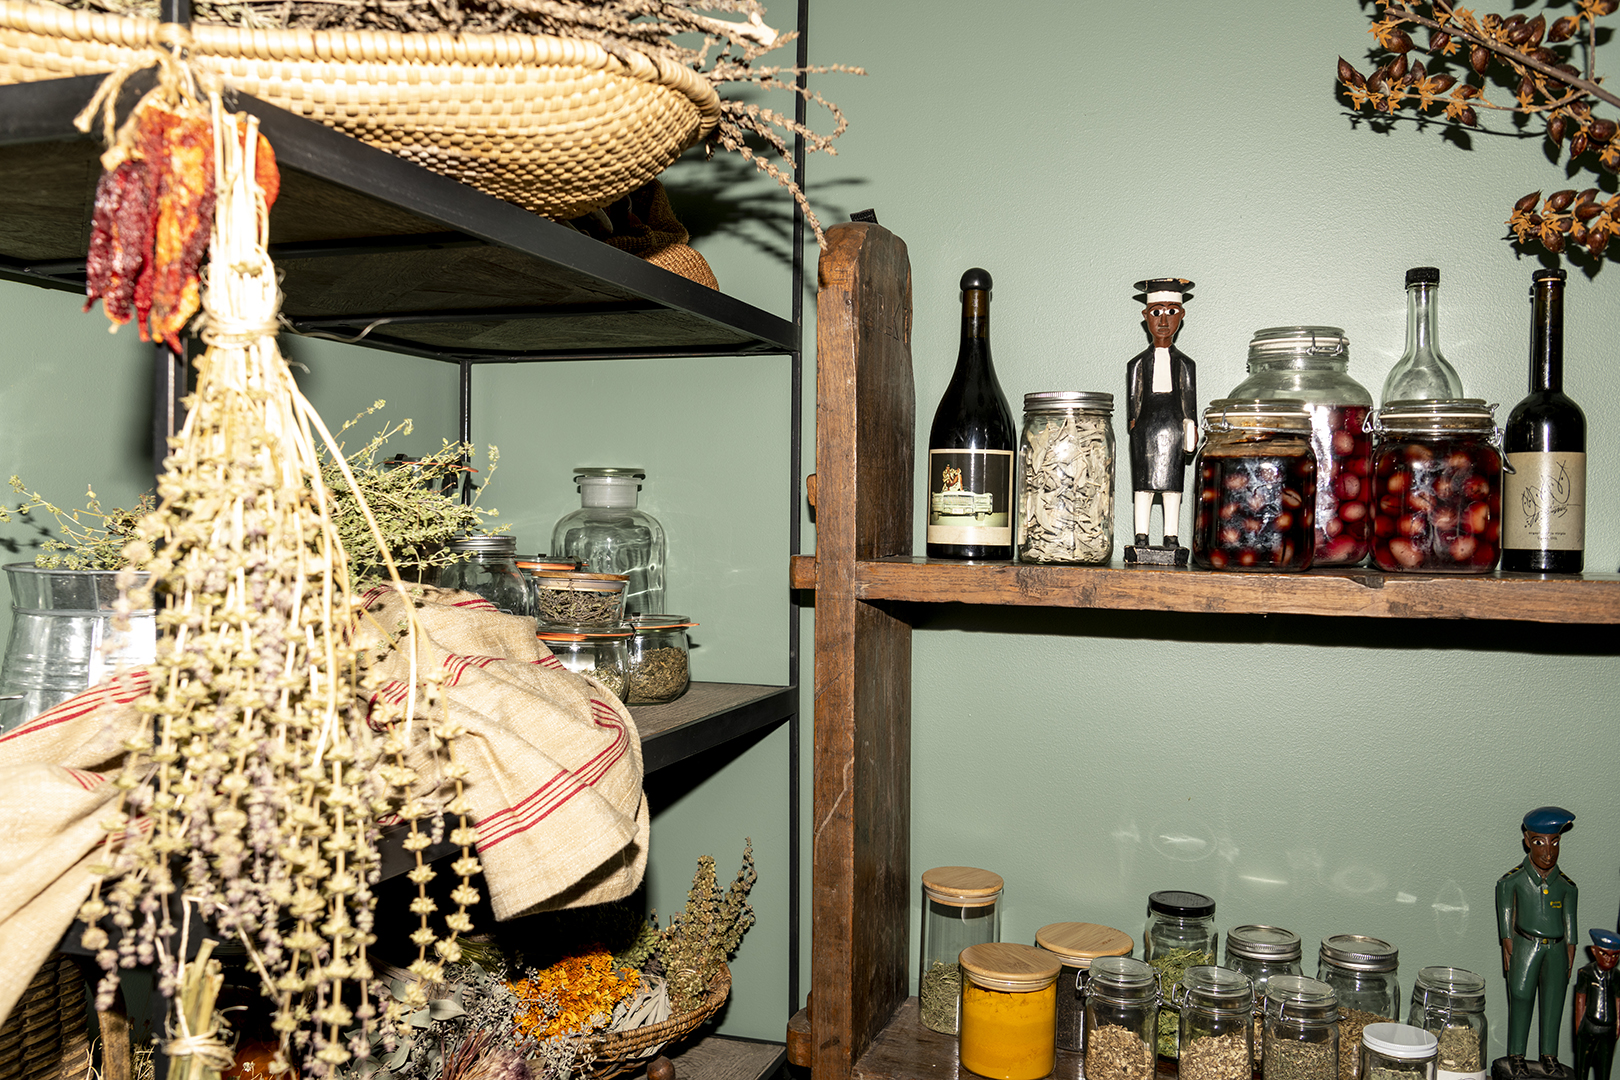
1544 497
971 446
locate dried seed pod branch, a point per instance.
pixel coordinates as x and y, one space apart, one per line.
1529 55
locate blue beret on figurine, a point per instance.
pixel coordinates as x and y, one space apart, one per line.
1597 1008
1535 921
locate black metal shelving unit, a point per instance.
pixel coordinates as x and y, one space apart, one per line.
382 253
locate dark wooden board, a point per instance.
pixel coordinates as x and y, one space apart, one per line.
719 1057
908 1051
707 715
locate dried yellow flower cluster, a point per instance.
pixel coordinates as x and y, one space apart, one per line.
574 996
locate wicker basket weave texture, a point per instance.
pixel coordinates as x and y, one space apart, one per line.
46 1037
626 1051
557 126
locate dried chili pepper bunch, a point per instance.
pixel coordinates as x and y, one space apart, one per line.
1531 58
254 789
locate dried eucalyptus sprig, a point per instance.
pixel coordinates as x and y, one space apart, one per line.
1528 58
707 932
91 538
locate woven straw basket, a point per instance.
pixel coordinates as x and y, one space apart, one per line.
46 1037
556 125
626 1051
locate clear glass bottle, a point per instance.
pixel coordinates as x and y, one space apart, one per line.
1449 1003
1180 934
961 907
1122 1010
1397 1052
1364 972
1437 487
1255 483
659 652
1077 945
1301 1031
611 536
1422 372
491 571
1008 1011
603 654
1310 364
1217 1023
1066 478
1261 952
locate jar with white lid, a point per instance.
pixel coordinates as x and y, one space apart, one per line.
1261 952
1077 945
961 907
1449 1003
1397 1052
1309 364
1301 1030
1217 1024
1437 487
1066 478
1009 1009
1255 478
1122 1010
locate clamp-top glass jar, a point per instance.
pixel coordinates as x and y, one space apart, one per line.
1180 934
1066 478
1308 364
1261 952
1301 1031
1449 1003
961 907
1397 1052
1437 487
603 654
1009 1002
1122 1010
1077 945
1217 1024
490 570
659 667
1364 972
1256 481
611 536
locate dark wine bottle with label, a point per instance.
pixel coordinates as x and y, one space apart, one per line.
971 446
1544 497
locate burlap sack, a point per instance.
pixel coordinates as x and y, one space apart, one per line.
554 776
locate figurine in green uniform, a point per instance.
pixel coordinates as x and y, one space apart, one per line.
1597 1008
1535 919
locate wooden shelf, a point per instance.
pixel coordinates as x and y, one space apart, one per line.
905 1050
1589 598
707 715
720 1057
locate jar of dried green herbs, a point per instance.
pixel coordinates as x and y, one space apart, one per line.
1122 1010
1066 478
1217 1024
1397 1052
1077 945
961 907
1364 972
1449 1003
603 653
1180 934
1301 1030
659 670
575 598
490 569
1261 952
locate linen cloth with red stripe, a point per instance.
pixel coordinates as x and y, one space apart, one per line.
554 775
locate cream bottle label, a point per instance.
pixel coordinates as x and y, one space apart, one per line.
1544 502
970 497
1442 1074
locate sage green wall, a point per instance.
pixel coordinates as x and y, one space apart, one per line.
1328 776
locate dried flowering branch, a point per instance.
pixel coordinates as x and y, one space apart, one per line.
707 931
1528 57
91 538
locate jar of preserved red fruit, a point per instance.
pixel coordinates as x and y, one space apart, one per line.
1255 475
1308 364
1437 487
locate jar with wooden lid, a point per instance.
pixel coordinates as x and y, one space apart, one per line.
1261 952
1363 971
1076 945
1122 1016
1217 1024
961 907
1009 1011
1397 1052
1301 1030
1449 1003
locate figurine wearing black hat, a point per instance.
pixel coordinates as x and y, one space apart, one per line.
1535 920
1597 1008
1161 414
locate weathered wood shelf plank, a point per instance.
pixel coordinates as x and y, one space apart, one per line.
720 1057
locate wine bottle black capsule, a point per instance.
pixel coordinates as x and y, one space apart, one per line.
971 446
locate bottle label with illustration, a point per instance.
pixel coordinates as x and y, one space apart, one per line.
1544 502
970 497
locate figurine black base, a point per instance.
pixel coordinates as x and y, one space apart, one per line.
1151 555
1529 1069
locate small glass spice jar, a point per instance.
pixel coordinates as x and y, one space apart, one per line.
1364 972
1308 364
1217 1024
1077 945
659 668
1255 476
575 598
490 570
1437 487
1066 478
602 653
1261 952
961 907
1180 934
1122 1011
1301 1030
1009 1010
1449 1003
1397 1052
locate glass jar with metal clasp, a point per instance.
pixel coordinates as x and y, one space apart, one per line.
1449 1003
1122 1017
1301 1030
1217 1024
1255 477
1437 487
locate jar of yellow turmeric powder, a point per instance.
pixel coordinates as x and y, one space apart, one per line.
1008 1029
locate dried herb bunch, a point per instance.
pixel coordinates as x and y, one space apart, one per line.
254 788
90 538
698 940
726 51
1529 62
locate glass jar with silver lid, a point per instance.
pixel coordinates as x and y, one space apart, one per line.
1066 478
1261 952
490 569
1449 1003
1363 971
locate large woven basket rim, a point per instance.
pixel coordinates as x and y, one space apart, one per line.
380 47
620 1044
